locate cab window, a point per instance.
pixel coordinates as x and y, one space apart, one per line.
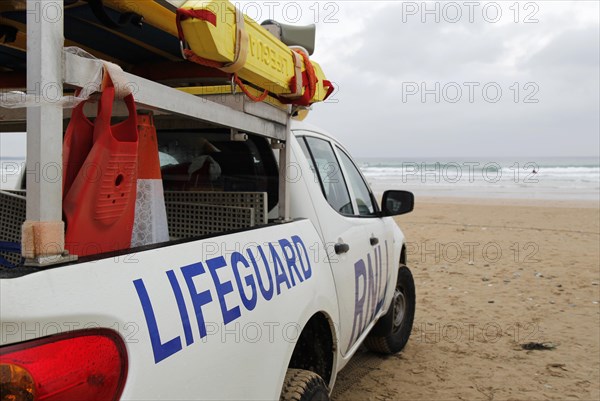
360 191
311 163
207 160
330 175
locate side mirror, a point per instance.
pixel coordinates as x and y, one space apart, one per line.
395 203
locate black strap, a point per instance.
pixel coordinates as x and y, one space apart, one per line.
9 33
100 12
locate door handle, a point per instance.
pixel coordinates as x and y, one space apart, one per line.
374 241
341 248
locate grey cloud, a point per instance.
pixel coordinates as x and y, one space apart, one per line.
394 47
576 48
372 119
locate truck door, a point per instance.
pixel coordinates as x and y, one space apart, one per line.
374 268
357 242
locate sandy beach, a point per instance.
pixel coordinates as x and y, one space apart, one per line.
490 277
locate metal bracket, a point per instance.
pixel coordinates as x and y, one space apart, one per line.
277 145
51 260
237 136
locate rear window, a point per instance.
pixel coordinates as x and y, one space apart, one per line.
193 160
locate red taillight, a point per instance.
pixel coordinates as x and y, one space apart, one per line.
79 366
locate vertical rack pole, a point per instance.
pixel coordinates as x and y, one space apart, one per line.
43 232
284 187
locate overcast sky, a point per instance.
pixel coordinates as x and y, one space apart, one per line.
453 79
420 82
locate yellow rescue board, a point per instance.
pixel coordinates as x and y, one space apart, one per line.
226 90
269 64
154 14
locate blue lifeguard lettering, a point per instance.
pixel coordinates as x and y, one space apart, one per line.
160 350
185 318
359 299
290 260
306 268
280 276
267 294
237 259
198 299
249 281
223 288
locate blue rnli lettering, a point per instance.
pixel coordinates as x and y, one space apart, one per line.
368 292
377 280
161 350
371 288
360 273
383 278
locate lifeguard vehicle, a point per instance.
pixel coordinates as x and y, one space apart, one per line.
178 234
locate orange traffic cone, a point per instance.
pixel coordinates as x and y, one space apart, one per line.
150 223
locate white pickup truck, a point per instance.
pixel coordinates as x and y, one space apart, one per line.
265 312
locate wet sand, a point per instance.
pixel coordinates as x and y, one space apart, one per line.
490 277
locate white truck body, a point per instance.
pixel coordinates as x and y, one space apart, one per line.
220 317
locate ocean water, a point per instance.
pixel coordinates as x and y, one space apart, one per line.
554 178
533 178
10 172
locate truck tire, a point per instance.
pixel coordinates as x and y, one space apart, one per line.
303 385
399 317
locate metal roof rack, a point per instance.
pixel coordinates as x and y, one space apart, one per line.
49 69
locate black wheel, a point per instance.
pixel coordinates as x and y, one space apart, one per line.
303 385
394 328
